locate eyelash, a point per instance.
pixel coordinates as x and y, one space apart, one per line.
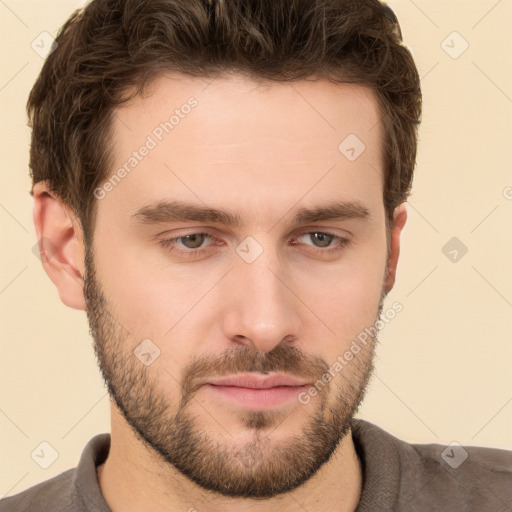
170 244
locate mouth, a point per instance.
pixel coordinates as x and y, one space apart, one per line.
257 392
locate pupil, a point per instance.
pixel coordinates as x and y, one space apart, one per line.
195 239
323 238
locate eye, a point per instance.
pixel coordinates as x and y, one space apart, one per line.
324 241
193 241
193 244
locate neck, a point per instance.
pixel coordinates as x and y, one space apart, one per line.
133 479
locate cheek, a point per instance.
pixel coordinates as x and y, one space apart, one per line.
348 307
139 301
165 304
347 294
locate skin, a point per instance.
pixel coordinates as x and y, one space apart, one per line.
260 151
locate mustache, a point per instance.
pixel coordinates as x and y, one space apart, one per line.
281 359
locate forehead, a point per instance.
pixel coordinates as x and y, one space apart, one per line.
210 139
233 107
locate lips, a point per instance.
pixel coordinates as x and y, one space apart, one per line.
258 382
256 392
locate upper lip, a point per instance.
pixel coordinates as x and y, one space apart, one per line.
258 382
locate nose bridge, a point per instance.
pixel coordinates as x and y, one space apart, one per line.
263 309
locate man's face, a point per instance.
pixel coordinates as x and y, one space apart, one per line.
271 294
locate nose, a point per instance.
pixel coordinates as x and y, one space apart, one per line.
263 308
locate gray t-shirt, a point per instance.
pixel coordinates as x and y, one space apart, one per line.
397 476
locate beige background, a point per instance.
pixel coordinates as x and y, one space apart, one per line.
443 370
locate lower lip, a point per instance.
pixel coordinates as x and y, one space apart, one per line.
258 398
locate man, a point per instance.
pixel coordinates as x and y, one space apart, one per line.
221 186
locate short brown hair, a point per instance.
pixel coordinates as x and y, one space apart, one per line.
110 50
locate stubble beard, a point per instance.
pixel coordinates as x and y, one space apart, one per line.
258 467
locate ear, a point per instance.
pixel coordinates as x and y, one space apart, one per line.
399 218
61 247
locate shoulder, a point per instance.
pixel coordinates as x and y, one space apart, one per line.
471 475
76 489
52 494
434 476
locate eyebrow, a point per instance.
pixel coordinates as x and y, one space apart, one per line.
179 211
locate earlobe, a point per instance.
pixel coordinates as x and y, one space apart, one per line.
399 219
61 246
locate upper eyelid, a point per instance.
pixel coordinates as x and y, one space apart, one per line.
300 234
296 232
